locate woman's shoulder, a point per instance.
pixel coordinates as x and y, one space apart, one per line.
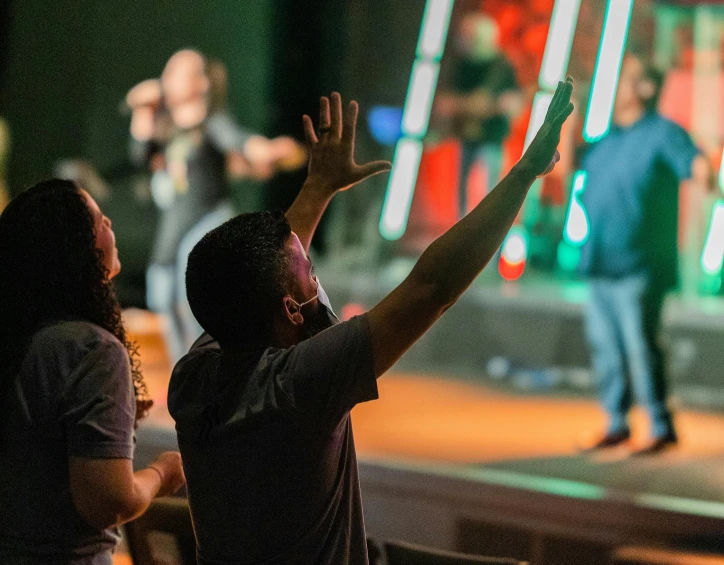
73 336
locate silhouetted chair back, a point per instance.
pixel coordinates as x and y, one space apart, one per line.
402 553
163 534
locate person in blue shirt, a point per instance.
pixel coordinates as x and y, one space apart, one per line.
630 257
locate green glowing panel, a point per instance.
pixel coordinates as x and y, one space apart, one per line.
400 188
713 254
433 32
415 118
608 66
576 230
568 256
558 44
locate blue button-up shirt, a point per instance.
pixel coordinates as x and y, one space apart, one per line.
631 199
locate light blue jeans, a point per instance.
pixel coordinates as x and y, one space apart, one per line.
622 322
166 287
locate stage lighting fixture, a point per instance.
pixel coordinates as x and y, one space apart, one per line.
513 254
558 45
576 227
553 70
403 176
713 254
415 118
419 98
608 66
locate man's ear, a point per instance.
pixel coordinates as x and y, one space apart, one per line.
292 311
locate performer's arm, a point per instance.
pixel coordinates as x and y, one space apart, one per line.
702 173
331 165
455 259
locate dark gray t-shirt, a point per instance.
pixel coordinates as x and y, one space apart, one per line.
74 397
268 451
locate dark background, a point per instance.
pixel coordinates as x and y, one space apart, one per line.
66 66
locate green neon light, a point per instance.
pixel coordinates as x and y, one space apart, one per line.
401 187
713 255
558 45
608 66
576 229
415 118
435 24
420 95
568 256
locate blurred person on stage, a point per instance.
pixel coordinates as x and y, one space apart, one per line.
630 258
182 129
71 390
483 100
262 400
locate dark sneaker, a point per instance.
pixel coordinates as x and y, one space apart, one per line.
607 441
656 445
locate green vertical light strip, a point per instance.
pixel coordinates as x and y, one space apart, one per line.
433 30
558 45
713 254
608 66
420 94
576 229
415 118
541 101
553 69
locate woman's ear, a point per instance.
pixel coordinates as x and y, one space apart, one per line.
292 311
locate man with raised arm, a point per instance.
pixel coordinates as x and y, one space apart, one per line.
262 401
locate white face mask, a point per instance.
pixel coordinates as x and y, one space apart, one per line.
323 300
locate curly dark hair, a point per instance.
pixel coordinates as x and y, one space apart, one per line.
50 270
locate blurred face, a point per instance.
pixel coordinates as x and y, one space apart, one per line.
105 238
479 36
627 95
184 78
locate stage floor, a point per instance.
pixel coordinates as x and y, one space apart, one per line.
465 429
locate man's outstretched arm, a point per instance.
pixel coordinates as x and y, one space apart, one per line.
331 165
452 262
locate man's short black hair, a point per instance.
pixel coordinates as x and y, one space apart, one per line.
656 77
651 74
236 275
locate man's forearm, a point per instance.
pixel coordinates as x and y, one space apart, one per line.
307 210
453 261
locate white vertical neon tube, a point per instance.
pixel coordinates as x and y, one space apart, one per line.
537 115
435 23
713 254
608 66
415 118
420 94
558 45
576 228
403 177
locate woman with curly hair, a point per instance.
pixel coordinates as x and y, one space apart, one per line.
71 391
